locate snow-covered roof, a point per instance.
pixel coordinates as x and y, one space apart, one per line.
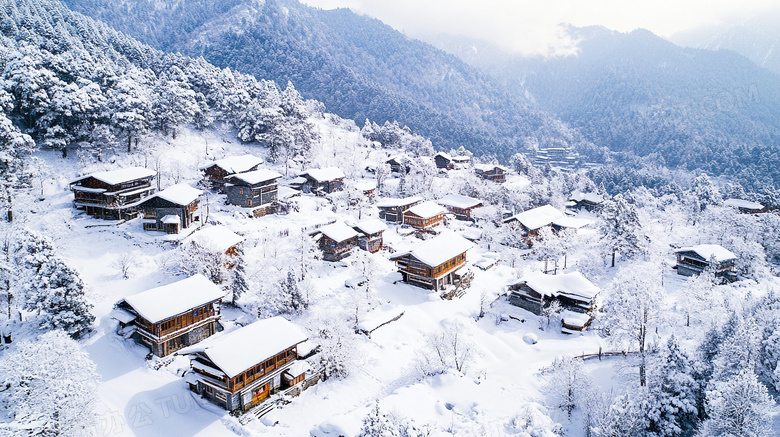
393 203
443 155
324 174
744 204
458 201
158 304
366 184
171 219
299 180
707 251
245 347
573 318
235 164
371 226
299 367
488 167
122 315
572 222
338 232
537 217
439 249
216 238
180 194
427 209
569 284
115 177
257 176
579 196
461 158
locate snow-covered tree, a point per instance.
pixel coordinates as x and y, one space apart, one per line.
50 388
621 228
632 310
738 406
672 405
293 301
566 383
14 147
378 424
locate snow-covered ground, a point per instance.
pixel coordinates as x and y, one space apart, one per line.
501 382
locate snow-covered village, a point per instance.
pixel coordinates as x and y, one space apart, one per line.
191 250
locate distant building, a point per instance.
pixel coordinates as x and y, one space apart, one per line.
113 195
217 239
323 180
563 158
745 206
495 173
216 172
370 234
392 210
461 161
244 367
461 206
537 290
254 189
586 201
397 163
435 263
173 316
335 240
172 209
425 215
695 259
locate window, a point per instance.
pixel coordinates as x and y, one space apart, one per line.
248 202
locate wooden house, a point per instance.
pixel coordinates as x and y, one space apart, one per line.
172 209
217 241
435 263
370 234
572 291
443 160
217 171
397 163
113 195
335 240
461 161
244 367
745 206
495 173
586 201
173 316
530 222
393 210
323 180
426 215
252 189
695 259
461 206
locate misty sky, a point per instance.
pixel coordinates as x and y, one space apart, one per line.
531 26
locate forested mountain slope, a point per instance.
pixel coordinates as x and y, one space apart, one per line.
359 67
637 93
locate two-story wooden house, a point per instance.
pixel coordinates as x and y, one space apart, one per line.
461 206
426 215
695 259
336 240
323 180
172 209
242 368
370 234
113 195
173 316
393 210
537 290
252 189
217 171
434 264
495 173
